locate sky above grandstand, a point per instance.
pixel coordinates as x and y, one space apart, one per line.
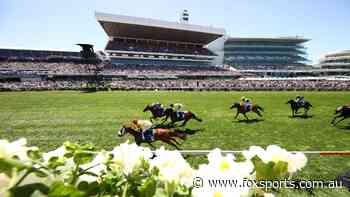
59 24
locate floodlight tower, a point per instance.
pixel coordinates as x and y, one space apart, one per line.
185 16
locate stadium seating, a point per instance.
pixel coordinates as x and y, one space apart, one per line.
157 47
182 84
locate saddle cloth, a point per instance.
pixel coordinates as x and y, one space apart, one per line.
148 135
180 115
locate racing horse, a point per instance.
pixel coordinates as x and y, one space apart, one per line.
295 106
241 109
165 135
180 116
157 112
344 113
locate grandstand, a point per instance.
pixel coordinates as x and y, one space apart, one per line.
265 53
37 55
296 73
339 60
143 41
152 54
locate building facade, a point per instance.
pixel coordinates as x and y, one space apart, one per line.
265 53
143 41
336 60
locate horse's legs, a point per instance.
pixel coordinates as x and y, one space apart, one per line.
236 115
343 118
196 118
151 145
335 118
258 112
184 123
172 143
174 140
179 134
245 115
165 119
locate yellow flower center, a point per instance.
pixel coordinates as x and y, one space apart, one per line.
224 165
217 194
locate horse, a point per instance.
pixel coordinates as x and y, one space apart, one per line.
296 106
165 135
156 112
185 116
344 113
242 110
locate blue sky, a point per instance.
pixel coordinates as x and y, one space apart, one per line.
59 24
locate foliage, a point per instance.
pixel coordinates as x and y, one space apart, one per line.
74 170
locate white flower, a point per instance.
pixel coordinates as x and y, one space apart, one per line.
257 151
127 157
269 195
173 168
97 166
275 154
225 169
66 170
58 153
18 149
227 165
296 162
215 193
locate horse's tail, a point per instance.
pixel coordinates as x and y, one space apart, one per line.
196 118
259 108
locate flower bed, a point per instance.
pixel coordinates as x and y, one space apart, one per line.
131 170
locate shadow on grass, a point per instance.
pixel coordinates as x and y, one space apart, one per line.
250 121
344 127
178 128
302 116
191 131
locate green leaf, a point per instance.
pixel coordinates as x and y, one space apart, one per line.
90 189
271 170
148 188
34 154
59 189
7 165
83 157
28 190
280 169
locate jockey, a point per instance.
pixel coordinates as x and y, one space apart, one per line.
300 100
177 107
246 102
158 106
144 126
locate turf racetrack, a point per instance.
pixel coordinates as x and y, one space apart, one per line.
47 119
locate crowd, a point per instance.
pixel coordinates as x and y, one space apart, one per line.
51 68
42 85
166 70
207 84
157 47
231 84
16 67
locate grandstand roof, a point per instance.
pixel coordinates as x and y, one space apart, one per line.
136 27
338 54
277 39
